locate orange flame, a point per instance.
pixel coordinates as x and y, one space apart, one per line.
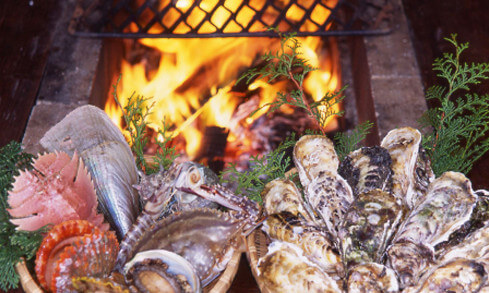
193 85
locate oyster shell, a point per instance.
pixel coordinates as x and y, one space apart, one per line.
368 226
314 242
314 154
281 195
366 169
285 269
161 271
371 278
90 132
460 275
448 204
403 146
325 191
382 208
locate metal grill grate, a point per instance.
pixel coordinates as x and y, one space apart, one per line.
226 18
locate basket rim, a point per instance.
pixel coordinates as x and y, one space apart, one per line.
253 244
221 284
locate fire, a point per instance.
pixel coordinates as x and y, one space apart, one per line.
193 86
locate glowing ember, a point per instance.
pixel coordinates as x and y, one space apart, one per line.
193 87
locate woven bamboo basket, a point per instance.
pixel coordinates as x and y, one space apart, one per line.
257 246
220 285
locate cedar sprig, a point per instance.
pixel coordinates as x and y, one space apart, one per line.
135 114
264 168
165 155
14 244
458 126
346 142
288 63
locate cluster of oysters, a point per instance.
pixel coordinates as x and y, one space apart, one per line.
379 221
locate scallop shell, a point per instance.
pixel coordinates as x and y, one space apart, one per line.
177 270
90 132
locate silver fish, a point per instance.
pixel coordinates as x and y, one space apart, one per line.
89 131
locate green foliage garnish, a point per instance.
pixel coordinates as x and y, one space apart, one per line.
135 114
14 244
264 169
348 142
458 126
288 63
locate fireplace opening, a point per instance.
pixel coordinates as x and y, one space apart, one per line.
190 74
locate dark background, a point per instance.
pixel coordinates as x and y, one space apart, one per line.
25 39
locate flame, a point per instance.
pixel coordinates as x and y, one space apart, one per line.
192 86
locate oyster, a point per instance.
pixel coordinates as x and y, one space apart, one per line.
161 271
326 192
396 226
285 269
460 275
403 146
366 169
368 226
90 132
371 278
281 195
314 242
448 204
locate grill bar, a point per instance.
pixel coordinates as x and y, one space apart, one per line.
225 18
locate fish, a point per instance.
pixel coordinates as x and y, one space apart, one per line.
88 131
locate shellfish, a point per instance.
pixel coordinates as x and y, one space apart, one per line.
58 189
326 192
90 132
207 238
396 226
285 269
161 271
